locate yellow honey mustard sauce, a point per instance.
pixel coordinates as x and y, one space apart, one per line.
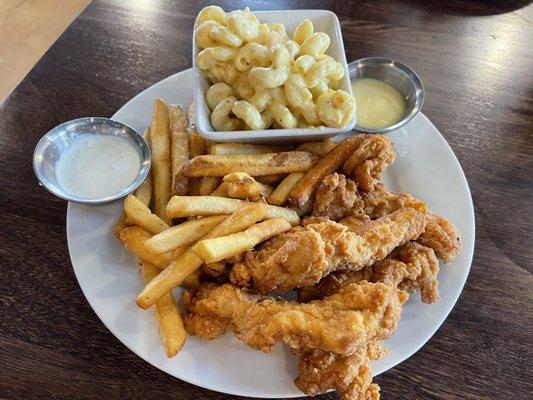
378 104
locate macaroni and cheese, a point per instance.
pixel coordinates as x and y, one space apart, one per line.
262 78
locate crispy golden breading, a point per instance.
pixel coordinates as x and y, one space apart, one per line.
423 267
283 262
381 202
440 234
355 223
341 323
336 197
302 256
369 160
350 376
242 186
311 219
411 267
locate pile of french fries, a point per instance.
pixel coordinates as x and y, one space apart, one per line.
205 204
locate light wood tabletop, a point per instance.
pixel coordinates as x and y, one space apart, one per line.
27 29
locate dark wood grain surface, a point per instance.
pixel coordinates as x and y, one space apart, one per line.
476 61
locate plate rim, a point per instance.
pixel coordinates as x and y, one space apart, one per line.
426 338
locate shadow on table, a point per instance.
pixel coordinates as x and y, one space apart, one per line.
471 8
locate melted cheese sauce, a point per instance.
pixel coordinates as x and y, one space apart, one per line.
377 104
97 166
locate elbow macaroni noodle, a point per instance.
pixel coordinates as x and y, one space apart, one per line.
262 78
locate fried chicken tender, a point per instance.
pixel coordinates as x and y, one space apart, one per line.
302 256
422 271
355 223
341 323
242 186
351 376
411 267
310 220
381 202
368 162
440 234
336 197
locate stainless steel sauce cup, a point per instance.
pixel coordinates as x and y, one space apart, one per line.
52 145
399 76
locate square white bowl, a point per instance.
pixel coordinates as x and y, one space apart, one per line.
323 21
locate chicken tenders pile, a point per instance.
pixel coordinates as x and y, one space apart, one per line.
358 252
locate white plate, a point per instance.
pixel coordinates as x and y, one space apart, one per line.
108 275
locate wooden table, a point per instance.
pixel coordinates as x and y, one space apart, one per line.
476 61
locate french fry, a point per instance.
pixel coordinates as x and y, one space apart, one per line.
242 218
216 249
191 116
174 275
143 193
134 238
233 149
167 315
282 212
179 149
189 206
280 195
266 190
178 251
192 280
196 145
141 215
161 162
319 149
255 165
323 167
243 186
208 144
196 148
121 223
183 234
221 190
208 184
270 179
188 262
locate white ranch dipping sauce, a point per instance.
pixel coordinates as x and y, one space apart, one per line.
97 166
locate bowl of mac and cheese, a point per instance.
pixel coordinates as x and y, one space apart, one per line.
270 76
